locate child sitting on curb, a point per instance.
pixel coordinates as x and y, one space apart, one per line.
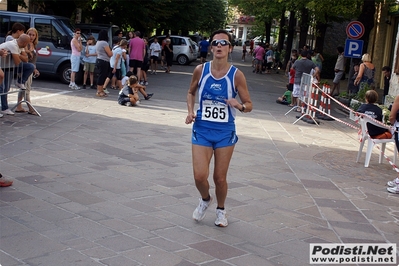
128 95
286 98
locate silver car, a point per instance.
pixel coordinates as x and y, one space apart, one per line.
184 49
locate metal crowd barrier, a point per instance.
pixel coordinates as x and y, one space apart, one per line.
11 74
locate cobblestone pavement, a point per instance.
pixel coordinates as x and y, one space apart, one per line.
96 183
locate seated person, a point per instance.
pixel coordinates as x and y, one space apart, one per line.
286 98
125 79
127 96
371 109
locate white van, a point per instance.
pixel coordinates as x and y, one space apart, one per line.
55 35
184 49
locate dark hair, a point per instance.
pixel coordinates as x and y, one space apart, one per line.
386 68
77 29
91 37
340 49
137 33
118 32
16 27
116 40
129 73
221 32
304 53
103 35
371 96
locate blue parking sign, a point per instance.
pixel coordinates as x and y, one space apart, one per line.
353 48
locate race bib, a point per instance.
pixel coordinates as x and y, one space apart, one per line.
215 111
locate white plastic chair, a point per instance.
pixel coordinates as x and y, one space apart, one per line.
371 142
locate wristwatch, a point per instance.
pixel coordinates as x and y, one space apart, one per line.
242 108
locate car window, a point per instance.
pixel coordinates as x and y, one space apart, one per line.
7 22
47 31
175 41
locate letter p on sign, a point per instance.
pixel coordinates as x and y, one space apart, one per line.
353 48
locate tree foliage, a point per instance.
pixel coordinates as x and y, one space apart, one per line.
144 15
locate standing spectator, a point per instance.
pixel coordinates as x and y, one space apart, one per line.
14 60
259 54
155 50
103 56
76 47
386 71
32 56
294 57
251 46
89 61
163 62
136 53
352 87
244 51
119 34
215 134
204 49
269 59
303 65
339 71
146 64
115 44
168 54
116 63
366 72
317 58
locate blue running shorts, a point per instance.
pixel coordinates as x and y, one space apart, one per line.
213 138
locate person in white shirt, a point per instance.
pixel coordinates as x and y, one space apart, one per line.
155 50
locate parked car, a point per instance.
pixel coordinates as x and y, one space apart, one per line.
54 47
184 49
94 29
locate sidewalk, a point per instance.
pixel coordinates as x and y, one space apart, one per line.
96 183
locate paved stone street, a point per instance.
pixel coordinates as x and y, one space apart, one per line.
96 183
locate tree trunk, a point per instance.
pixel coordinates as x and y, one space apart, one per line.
367 18
321 29
304 27
268 30
281 35
290 37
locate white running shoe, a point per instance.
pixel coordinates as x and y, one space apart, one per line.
21 86
394 189
7 112
70 85
393 183
1 115
76 87
221 219
199 212
146 83
106 91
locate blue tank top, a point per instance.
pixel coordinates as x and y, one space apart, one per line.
213 112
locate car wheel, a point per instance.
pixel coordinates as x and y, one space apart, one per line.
65 73
182 60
